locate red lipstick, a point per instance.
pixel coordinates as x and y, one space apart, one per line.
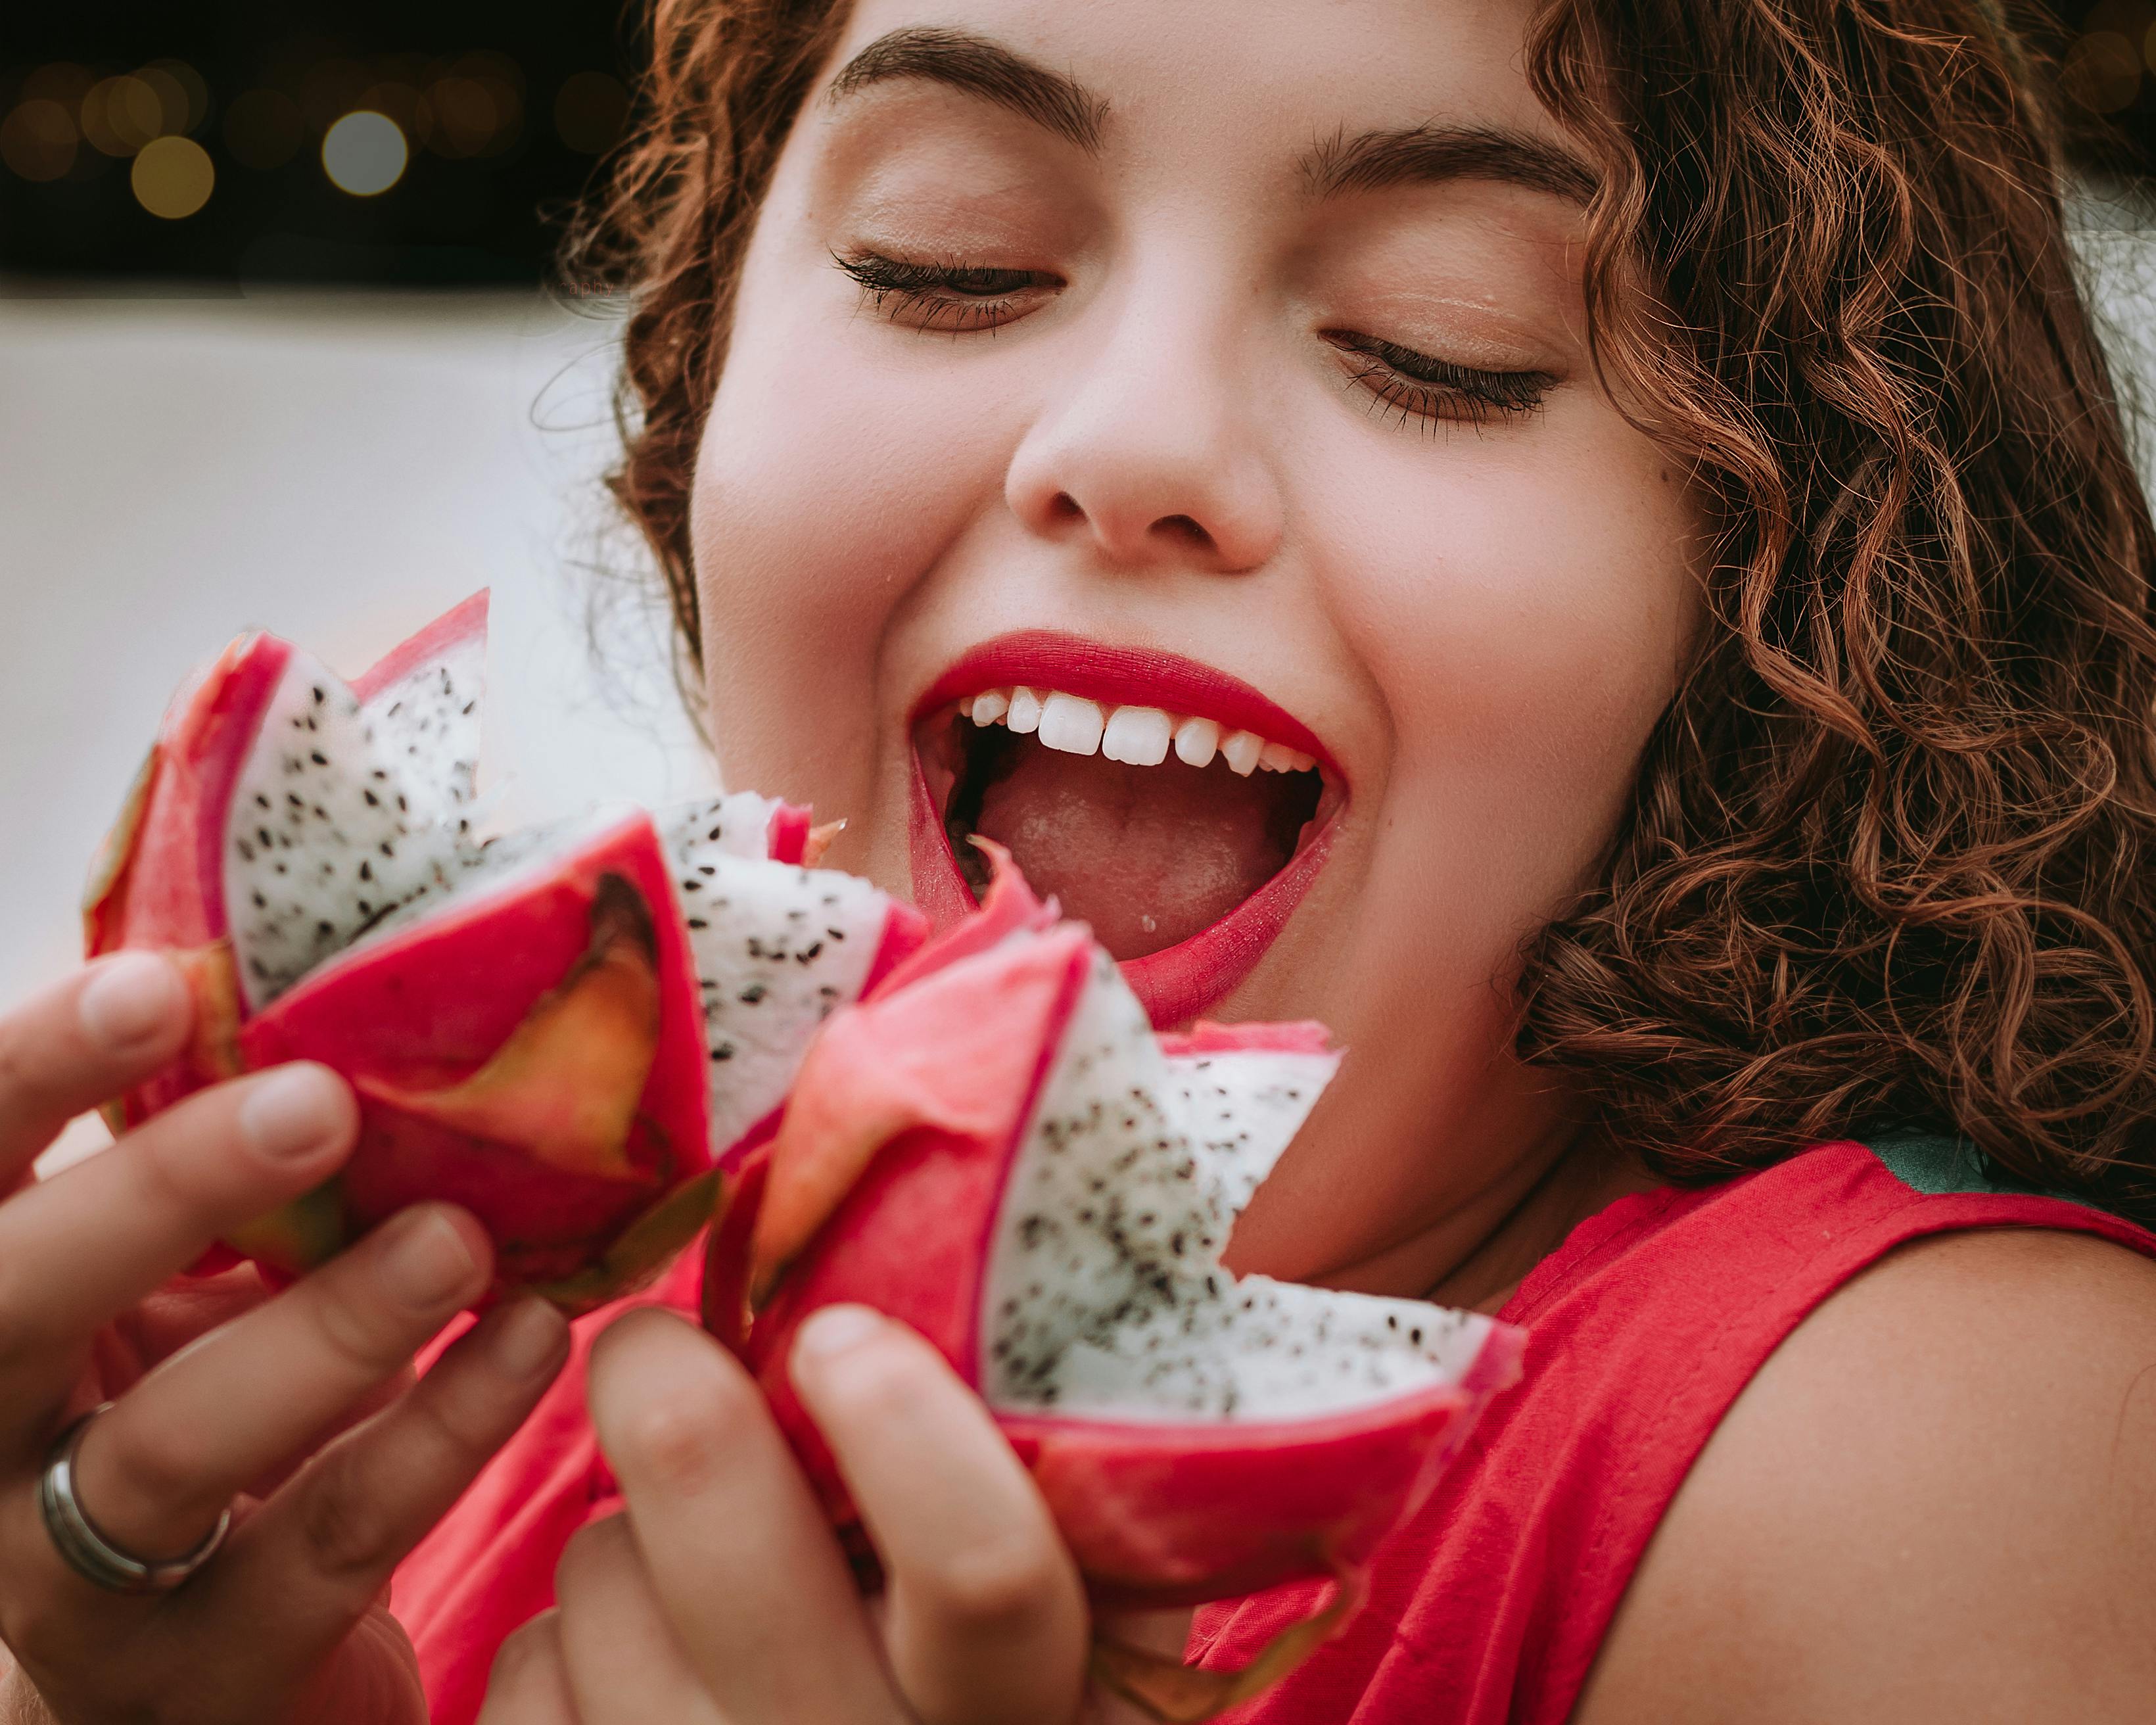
1179 982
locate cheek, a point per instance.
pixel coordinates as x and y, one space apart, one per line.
825 486
1527 631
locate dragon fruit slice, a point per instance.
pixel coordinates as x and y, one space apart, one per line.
571 1030
996 1148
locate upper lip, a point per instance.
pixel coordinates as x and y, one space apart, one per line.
1120 675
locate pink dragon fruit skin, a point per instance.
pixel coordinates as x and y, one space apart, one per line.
996 1149
567 1031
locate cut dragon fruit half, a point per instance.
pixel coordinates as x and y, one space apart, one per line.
571 1030
998 1150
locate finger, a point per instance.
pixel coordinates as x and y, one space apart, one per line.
161 1464
625 1666
314 1558
78 1250
529 1684
987 1621
79 1043
738 1548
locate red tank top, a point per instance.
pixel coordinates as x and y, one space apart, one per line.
1488 1609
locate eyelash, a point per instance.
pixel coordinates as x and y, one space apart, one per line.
957 298
950 297
1417 386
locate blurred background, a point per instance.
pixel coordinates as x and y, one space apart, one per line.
281 346
278 348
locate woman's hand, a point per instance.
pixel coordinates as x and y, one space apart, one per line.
218 1388
722 1595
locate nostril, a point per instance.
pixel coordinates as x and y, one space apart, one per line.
1183 527
1064 507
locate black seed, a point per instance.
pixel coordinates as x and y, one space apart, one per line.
402 807
836 934
751 995
386 849
366 870
319 697
806 954
692 886
365 908
1414 1336
326 929
713 835
261 801
373 801
706 870
278 866
318 758
724 1052
468 706
698 922
246 851
395 708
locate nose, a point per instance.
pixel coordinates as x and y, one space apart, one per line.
1151 452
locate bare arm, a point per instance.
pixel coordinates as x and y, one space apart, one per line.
1937 1501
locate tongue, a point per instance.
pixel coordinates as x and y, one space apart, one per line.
1149 856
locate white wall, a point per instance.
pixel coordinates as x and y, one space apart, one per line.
336 469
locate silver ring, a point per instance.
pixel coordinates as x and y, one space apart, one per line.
88 1551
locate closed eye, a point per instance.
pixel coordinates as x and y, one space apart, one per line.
942 296
1421 386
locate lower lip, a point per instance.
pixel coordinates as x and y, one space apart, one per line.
1176 984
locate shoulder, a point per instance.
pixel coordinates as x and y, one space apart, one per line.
1936 1500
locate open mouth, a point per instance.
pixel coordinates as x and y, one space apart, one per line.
1174 808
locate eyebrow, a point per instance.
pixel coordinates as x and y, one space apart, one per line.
1429 154
983 67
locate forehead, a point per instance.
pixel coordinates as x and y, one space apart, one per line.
1273 75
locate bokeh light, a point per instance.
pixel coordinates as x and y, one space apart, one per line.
172 98
461 116
364 153
37 139
173 178
589 111
120 115
475 106
264 129
187 95
2102 71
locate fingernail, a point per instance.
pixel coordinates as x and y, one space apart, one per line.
289 1113
837 1330
130 998
526 1336
426 1261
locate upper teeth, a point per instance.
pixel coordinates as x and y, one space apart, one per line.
1140 736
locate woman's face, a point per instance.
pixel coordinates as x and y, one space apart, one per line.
1222 364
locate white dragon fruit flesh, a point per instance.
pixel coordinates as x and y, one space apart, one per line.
996 1148
573 1030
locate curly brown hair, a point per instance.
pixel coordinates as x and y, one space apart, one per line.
1890 856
